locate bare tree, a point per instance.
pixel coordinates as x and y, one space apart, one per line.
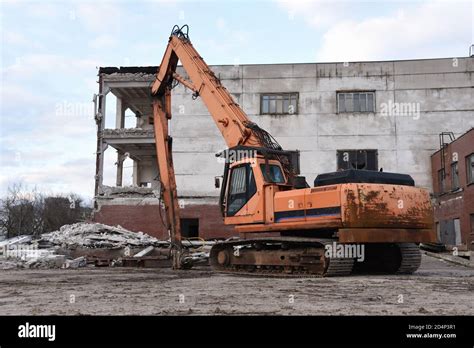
16 211
60 210
25 211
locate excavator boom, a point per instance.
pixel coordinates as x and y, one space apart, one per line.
230 119
234 125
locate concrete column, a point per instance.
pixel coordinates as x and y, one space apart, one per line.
101 146
120 114
136 173
120 159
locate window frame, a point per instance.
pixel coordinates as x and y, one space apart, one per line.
469 166
290 95
263 167
441 181
340 152
455 174
250 186
353 93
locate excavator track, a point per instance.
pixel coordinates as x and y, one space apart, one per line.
305 257
278 256
410 258
389 258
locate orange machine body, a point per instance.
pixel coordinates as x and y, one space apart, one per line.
355 212
260 194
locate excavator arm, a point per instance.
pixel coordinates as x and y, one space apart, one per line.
169 195
230 119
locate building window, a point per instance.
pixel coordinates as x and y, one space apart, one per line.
457 231
355 101
279 103
471 216
441 181
357 159
189 228
470 168
450 232
454 176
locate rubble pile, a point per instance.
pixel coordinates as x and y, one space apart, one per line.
95 235
80 244
9 264
127 191
42 258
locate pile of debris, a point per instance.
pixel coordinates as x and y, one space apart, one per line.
127 191
95 235
22 252
80 244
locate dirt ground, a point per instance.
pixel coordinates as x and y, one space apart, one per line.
437 288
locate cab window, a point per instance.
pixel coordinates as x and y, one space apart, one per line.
242 187
274 173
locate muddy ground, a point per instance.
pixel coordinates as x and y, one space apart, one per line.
437 288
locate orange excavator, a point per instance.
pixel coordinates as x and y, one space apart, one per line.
285 226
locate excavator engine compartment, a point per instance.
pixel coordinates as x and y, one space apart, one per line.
363 176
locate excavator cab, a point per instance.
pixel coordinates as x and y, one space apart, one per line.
246 172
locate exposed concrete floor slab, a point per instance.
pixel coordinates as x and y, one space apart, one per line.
438 288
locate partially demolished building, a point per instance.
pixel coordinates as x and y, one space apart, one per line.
135 206
366 115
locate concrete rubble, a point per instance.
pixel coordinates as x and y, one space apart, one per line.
76 263
144 252
45 259
13 241
127 132
126 191
80 244
94 235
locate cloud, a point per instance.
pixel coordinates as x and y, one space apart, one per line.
419 30
220 23
31 65
405 34
103 41
13 94
77 176
317 13
100 16
41 9
47 120
13 38
229 39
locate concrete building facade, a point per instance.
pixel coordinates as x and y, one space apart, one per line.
366 115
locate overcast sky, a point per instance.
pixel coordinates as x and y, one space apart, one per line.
50 51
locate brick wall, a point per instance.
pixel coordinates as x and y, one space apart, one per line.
146 218
459 203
